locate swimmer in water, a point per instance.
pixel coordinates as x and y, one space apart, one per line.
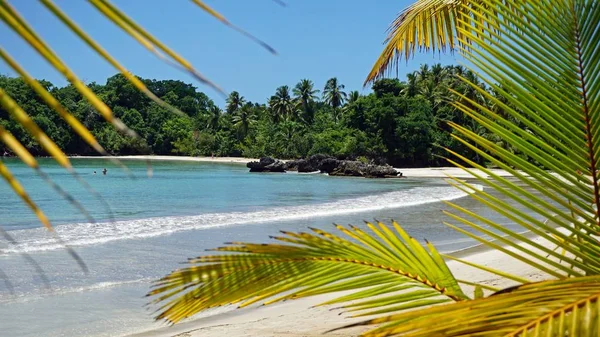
104 171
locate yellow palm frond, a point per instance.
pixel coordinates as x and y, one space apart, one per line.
430 25
387 263
551 308
20 25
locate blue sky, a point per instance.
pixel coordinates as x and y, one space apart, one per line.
315 39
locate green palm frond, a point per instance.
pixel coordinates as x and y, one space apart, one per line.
432 25
539 60
552 308
388 264
547 72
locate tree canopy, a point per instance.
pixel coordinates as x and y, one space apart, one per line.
401 122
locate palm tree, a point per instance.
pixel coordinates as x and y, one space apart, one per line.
282 105
353 96
411 88
389 271
423 73
243 119
234 102
432 92
333 93
335 97
305 92
438 73
214 117
286 137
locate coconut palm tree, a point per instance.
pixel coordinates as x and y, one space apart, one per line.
286 138
234 102
522 50
305 92
333 93
282 105
438 73
243 119
214 117
353 96
423 73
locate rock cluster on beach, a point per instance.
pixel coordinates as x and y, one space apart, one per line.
266 164
325 164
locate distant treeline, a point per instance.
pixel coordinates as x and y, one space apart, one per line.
401 122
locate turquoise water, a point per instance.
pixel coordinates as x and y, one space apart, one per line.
144 227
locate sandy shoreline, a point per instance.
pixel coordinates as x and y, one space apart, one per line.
425 172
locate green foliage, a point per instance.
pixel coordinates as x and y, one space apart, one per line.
401 122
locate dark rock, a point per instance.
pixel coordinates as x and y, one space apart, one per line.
264 161
380 171
350 168
312 163
327 165
266 164
355 168
316 159
306 166
277 166
292 165
255 166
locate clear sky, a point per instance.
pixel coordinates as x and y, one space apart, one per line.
315 39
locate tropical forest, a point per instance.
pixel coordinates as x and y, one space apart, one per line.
401 122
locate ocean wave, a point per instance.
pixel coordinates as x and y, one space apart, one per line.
83 234
54 291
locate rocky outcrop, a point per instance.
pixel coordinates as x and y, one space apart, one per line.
266 164
382 171
292 165
312 163
325 164
328 165
349 168
305 166
360 169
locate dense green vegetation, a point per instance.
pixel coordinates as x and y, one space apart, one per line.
402 122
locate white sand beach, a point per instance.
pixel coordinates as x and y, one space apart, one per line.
424 172
300 318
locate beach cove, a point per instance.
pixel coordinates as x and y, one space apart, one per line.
191 204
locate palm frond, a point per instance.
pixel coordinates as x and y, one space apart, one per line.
226 22
20 191
567 307
54 9
431 25
547 73
40 136
388 264
77 126
20 25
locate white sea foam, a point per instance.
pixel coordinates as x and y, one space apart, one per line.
54 291
82 234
